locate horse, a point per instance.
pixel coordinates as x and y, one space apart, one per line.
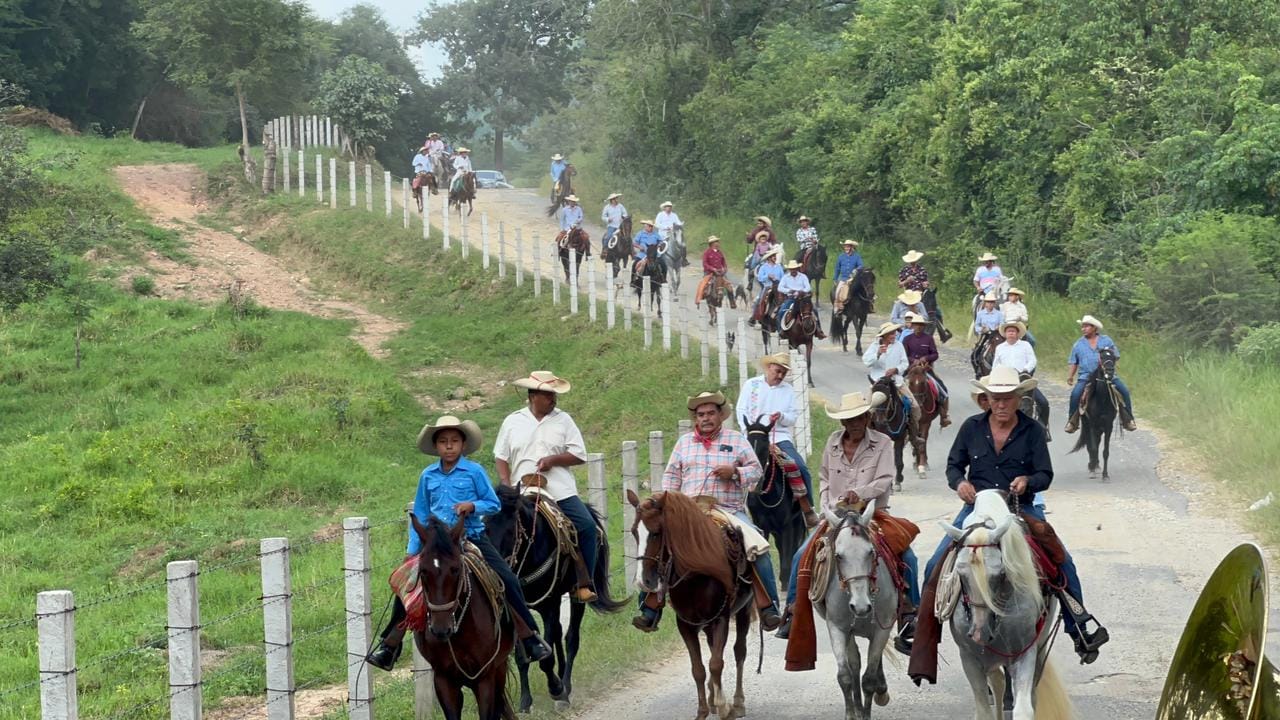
715 293
1001 290
804 326
1098 410
421 180
918 382
772 506
1000 618
1027 404
814 265
707 582
765 313
617 251
861 601
984 352
525 537
675 255
894 419
930 299
561 189
439 170
572 239
857 306
458 609
657 274
466 194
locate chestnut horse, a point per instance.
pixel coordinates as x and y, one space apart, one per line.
918 382
466 194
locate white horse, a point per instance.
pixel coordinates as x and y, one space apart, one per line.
860 601
1002 292
1004 622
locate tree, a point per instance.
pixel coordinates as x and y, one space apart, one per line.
508 59
244 46
360 97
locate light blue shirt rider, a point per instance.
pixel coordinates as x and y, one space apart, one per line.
988 320
900 309
557 167
643 241
570 217
768 274
439 492
421 163
847 265
1086 359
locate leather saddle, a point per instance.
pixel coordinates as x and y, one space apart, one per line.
533 487
734 547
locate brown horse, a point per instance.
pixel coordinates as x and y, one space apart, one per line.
574 239
467 639
465 194
706 580
803 328
930 409
714 289
420 181
562 189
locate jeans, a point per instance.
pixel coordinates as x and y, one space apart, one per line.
588 534
789 448
1031 339
1078 388
608 233
910 577
783 308
1068 568
763 564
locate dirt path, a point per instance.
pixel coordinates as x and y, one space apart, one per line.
171 195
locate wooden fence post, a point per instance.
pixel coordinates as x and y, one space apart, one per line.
56 630
597 491
502 250
484 240
277 626
386 191
630 479
355 553
657 461
185 694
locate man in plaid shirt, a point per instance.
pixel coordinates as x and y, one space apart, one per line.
717 462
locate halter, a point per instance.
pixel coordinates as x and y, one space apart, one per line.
769 476
970 604
666 563
869 577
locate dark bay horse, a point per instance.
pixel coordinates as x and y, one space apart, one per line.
930 300
814 266
653 269
467 194
772 506
420 181
706 575
467 639
527 540
930 409
574 239
984 352
803 328
562 189
1098 411
862 296
894 419
765 313
617 251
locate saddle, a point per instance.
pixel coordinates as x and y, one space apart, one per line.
534 488
735 545
1117 400
404 583
419 180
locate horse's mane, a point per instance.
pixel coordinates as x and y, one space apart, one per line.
441 539
1019 566
694 540
865 287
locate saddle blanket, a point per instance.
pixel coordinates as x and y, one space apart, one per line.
404 583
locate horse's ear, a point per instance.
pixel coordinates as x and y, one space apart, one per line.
868 513
633 498
952 531
1002 527
459 531
418 527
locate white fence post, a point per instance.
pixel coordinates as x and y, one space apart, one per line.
288 170
386 191
466 238
502 250
444 222
355 547
537 267
555 285
706 358
684 427
404 199
319 178
573 281
277 626
684 332
351 181
630 479
333 183
328 132
666 317
611 306
56 628
302 173
368 187
743 366
597 491
723 354
657 461
591 290
519 257
484 240
424 694
426 214
626 317
646 305
648 331
185 694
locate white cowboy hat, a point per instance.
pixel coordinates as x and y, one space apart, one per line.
557 156
665 205
611 197
463 150
774 253
545 381
803 218
470 434
1022 329
850 242
1015 291
793 265
764 219
990 296
987 257
712 239
781 358
706 396
854 404
1090 320
646 222
1004 379
910 297
912 256
571 198
886 328
913 318
985 379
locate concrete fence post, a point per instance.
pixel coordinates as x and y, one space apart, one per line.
444 223
328 132
646 304
386 192
626 317
520 257
355 547
319 178
684 332
185 694
591 291
573 281
684 427
706 357
630 480
666 317
537 268
657 461
333 183
56 630
502 250
302 173
351 181
277 626
555 286
466 237
426 215
368 187
743 366
288 171
404 200
648 331
484 240
610 305
723 354
597 490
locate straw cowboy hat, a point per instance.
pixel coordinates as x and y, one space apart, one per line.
470 434
1004 379
706 396
571 197
557 156
1015 291
712 239
783 359
434 134
1022 329
854 243
611 197
886 328
990 297
910 297
913 318
803 218
793 265
646 222
464 150
774 253
854 404
978 393
762 235
912 256
987 257
1090 320
543 380
764 219
666 204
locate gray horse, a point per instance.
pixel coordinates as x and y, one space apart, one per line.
1001 621
675 255
861 601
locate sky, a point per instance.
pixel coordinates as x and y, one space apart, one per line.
401 15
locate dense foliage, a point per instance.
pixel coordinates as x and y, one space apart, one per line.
360 97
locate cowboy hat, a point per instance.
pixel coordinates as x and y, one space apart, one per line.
990 296
1090 320
854 404
764 219
762 235
434 134
910 297
614 195
571 197
557 156
1022 329
706 396
712 239
470 434
850 242
794 265
781 358
912 256
774 253
1004 379
1015 291
543 380
803 218
985 379
646 222
913 318
463 150
665 204
886 328
987 257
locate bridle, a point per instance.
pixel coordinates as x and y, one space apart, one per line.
666 568
870 577
458 605
768 477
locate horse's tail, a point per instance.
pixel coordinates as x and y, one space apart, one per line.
1052 700
1082 440
552 208
837 329
603 602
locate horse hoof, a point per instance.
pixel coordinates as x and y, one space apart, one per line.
739 710
922 472
562 705
881 699
897 485
725 712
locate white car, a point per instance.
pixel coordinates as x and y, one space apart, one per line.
491 179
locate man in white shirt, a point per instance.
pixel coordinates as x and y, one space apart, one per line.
536 446
570 214
887 358
461 165
1014 310
611 216
770 399
1017 353
667 221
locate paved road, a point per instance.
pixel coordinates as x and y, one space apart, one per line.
1144 544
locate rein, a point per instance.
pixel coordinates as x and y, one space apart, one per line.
459 606
880 556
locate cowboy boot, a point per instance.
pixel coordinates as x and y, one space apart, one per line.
388 651
784 630
906 636
1086 642
651 605
585 592
531 648
769 617
946 412
806 507
1073 423
1126 420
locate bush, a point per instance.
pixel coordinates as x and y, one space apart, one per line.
29 268
143 284
1261 345
1116 293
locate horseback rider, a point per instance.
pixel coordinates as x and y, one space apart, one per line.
763 245
763 225
887 358
767 396
570 214
806 235
714 269
768 275
794 286
1004 449
452 488
611 216
558 164
847 266
988 318
645 241
1083 361
717 462
919 345
461 166
433 144
667 221
913 276
907 301
421 163
989 276
1017 353
537 445
1013 310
